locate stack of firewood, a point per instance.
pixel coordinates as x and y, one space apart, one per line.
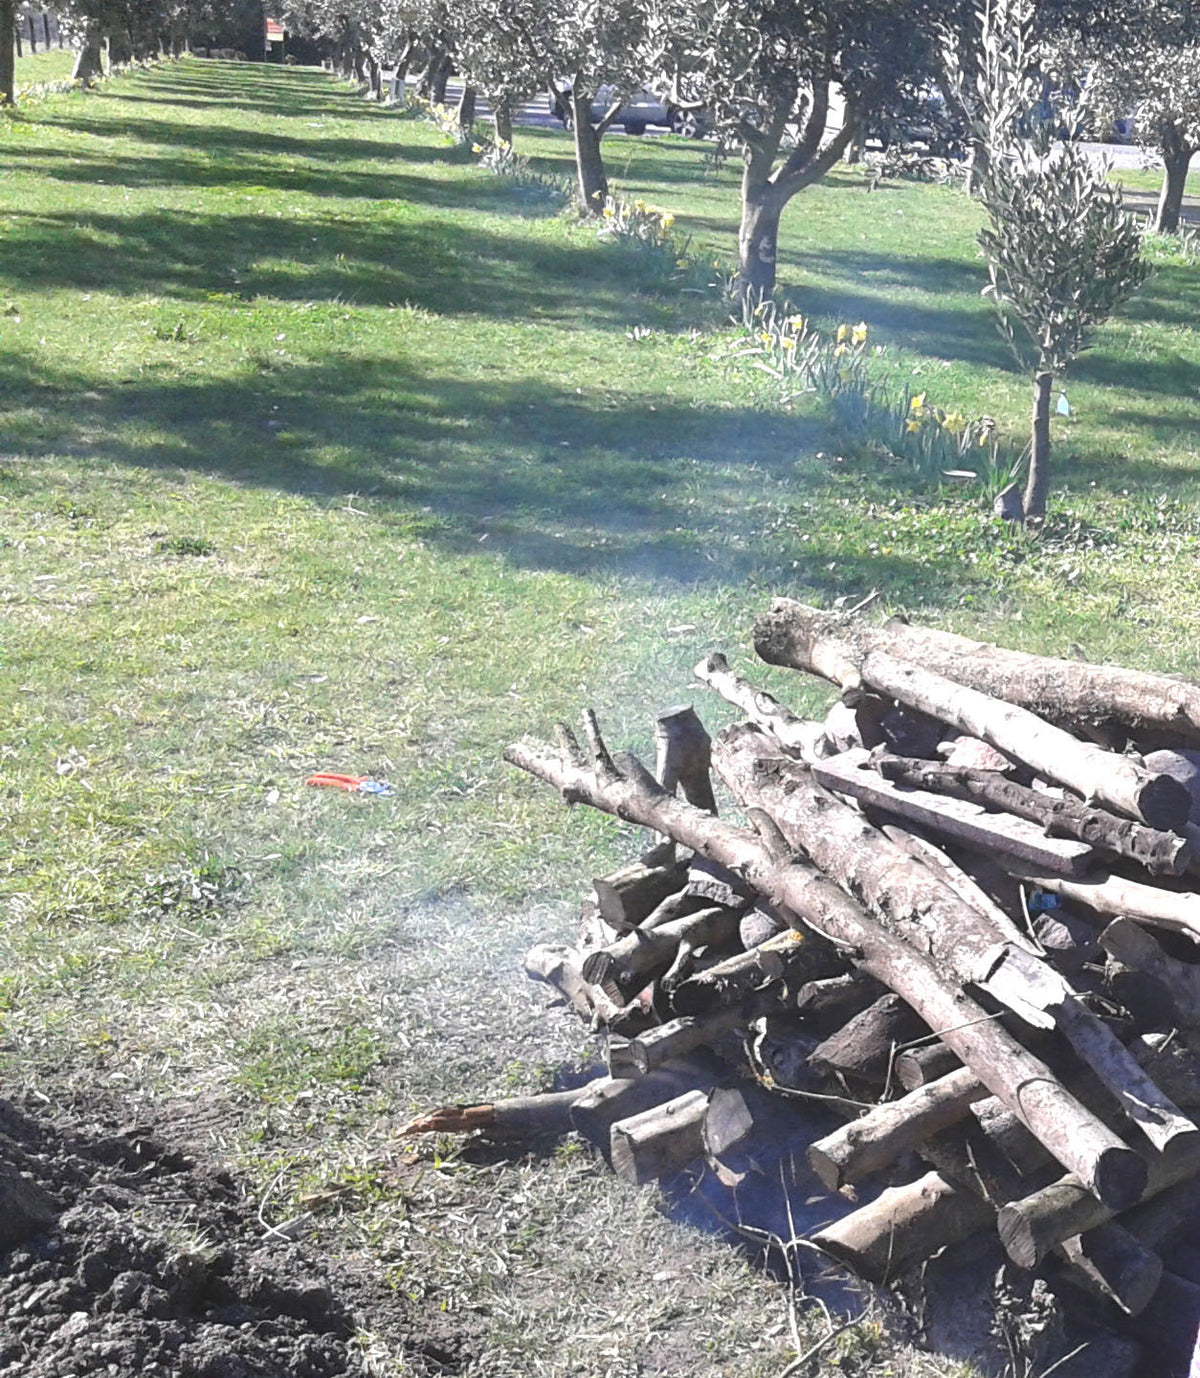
963 909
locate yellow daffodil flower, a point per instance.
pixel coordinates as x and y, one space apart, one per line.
609 212
917 404
667 221
765 338
954 422
839 351
842 332
475 148
788 343
912 425
859 334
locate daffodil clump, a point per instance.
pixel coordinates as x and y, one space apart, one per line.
787 347
938 444
646 232
499 157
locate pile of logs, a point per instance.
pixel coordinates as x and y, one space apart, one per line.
962 911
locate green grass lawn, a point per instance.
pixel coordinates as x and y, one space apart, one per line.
51 64
323 449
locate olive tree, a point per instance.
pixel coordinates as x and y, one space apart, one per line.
1062 253
792 83
1148 69
8 55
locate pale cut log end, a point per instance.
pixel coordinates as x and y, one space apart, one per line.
1018 1237
826 1168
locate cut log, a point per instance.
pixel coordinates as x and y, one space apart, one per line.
629 964
1162 1122
1129 943
963 820
561 967
626 896
1009 1137
1070 692
903 1226
1031 1227
1115 1265
864 1047
826 1005
747 1117
809 640
876 1140
679 1037
1169 1326
1105 893
1074 1135
1161 853
919 1066
594 1114
661 1140
519 1117
682 746
807 740
794 958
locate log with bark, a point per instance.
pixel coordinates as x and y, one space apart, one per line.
1072 693
1076 1137
809 640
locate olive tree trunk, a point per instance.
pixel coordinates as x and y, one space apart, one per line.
758 242
589 161
1037 485
90 62
1176 159
502 120
8 60
465 112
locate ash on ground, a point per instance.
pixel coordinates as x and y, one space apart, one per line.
141 1260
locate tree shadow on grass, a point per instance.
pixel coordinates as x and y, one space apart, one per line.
540 477
384 260
258 172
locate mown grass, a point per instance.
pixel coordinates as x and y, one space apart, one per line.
51 64
323 449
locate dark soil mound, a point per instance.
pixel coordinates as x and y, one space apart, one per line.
136 1260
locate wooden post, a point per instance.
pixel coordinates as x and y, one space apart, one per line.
661 1140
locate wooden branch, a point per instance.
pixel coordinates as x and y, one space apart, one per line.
809 640
1161 853
661 1140
1106 893
627 895
797 736
1071 692
562 968
520 1117
1098 1047
791 957
1173 1060
903 1226
682 756
680 1036
1031 1227
628 965
876 1140
961 819
1129 943
904 894
966 887
594 1114
1115 1265
864 1047
1076 1137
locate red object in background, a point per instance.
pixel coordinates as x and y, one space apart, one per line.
347 782
274 30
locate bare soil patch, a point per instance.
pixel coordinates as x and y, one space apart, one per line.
158 1264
